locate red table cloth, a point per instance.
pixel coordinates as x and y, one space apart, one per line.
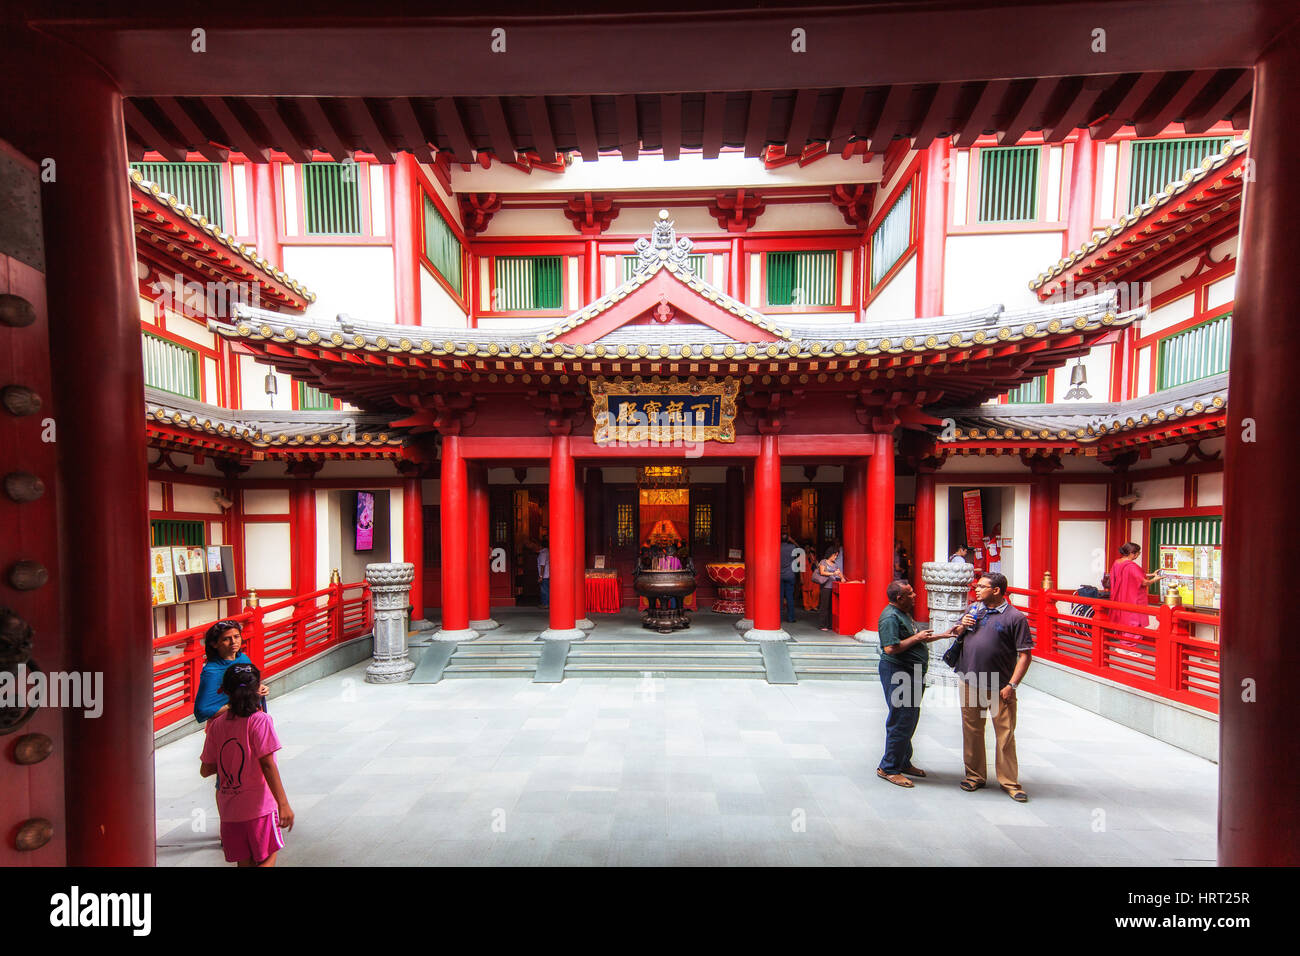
603 592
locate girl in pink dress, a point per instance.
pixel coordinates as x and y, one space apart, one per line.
1128 585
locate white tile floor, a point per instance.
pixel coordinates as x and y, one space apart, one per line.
688 771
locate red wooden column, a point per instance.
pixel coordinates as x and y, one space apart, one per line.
406 260
413 540
735 508
1259 756
580 618
98 394
480 547
880 527
1040 523
923 546
767 543
302 502
1083 171
562 533
855 521
934 230
747 622
454 501
266 213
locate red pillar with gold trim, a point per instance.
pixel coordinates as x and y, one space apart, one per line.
562 622
934 230
1040 526
266 213
767 542
1259 757
923 545
480 548
855 526
454 502
880 528
413 541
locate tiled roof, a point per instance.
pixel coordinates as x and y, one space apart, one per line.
269 429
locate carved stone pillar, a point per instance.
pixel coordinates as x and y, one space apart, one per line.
390 593
947 588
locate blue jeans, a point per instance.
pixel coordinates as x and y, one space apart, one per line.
787 598
903 685
546 591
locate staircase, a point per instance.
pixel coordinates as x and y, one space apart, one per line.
494 659
834 660
669 658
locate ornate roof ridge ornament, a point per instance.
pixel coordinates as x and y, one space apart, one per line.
663 246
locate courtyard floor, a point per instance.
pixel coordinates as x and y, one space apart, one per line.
682 771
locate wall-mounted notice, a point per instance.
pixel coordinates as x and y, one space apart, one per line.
365 521
162 582
191 575
974 512
221 571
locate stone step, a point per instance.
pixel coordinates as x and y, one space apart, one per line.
658 669
489 670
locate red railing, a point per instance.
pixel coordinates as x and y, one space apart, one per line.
1163 658
304 626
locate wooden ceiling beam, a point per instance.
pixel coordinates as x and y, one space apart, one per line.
629 137
584 123
413 138
760 110
322 128
146 133
1030 111
981 115
1079 110
670 112
1174 106
715 107
540 121
503 143
185 124
358 111
279 136
846 117
1200 117
1126 111
939 117
801 115
235 132
452 127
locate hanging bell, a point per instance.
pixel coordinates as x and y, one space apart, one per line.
1079 375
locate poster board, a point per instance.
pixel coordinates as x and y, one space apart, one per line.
221 571
973 511
190 566
365 522
162 581
1178 564
1207 567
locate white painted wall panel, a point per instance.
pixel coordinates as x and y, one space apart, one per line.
1209 490
980 271
266 501
155 496
1159 493
357 280
252 386
267 557
1097 364
1221 292
1143 385
1169 314
1081 554
210 381
437 307
191 329
196 498
1082 497
897 299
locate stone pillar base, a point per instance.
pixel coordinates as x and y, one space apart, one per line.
744 624
867 637
487 625
754 634
423 624
449 636
562 634
585 624
389 671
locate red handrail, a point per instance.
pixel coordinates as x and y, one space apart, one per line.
298 629
1163 658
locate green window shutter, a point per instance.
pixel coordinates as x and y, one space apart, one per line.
525 283
197 185
170 367
1181 532
165 533
697 261
892 236
1008 184
1155 163
802 278
313 399
1033 392
331 197
1194 353
441 246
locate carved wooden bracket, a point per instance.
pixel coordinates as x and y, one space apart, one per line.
477 210
590 215
1042 464
1194 451
164 462
854 202
304 468
738 211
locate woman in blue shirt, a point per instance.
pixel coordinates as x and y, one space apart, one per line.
222 643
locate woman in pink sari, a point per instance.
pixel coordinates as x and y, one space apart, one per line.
1128 585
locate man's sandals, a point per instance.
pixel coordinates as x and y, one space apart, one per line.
898 779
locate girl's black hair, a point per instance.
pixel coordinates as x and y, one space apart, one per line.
240 684
213 634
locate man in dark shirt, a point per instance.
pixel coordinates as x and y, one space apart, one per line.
995 655
904 659
788 548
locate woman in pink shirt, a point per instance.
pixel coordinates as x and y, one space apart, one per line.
240 749
1128 585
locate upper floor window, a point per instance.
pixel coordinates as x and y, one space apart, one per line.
892 237
697 262
331 199
527 282
1008 184
441 247
313 399
171 367
802 278
1194 353
197 185
1033 392
1155 163
168 533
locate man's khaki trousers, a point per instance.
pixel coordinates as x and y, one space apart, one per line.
974 749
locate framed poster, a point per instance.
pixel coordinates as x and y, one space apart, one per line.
365 540
1178 562
973 511
221 571
191 578
161 580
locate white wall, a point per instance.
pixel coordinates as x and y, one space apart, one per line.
252 386
1159 493
1097 364
1209 490
197 498
437 307
985 269
1169 314
1077 497
357 280
266 501
267 555
896 300
1080 554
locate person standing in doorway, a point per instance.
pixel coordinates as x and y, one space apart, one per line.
788 551
961 556
829 570
904 659
995 654
544 572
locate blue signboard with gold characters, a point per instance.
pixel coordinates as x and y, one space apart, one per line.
662 411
